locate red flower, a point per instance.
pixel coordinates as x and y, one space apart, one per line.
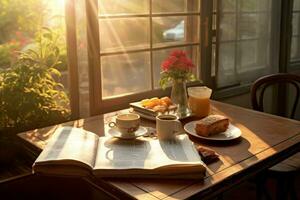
178 53
177 60
168 63
176 66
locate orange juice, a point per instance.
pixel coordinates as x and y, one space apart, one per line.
199 106
199 100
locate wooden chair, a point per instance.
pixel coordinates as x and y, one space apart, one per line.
284 172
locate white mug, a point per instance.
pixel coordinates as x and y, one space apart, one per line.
167 126
127 124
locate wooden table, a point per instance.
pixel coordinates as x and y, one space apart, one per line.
266 140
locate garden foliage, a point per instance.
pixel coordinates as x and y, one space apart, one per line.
30 96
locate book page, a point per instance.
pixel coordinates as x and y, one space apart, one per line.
144 154
114 153
70 145
179 151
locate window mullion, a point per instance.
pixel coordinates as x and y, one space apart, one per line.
206 41
93 42
72 57
151 45
236 56
217 44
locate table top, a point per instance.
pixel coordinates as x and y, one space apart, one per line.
266 140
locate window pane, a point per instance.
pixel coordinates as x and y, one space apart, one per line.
123 7
159 6
295 49
295 41
125 74
252 55
296 5
226 71
160 55
253 5
119 34
173 29
228 27
252 26
296 23
228 5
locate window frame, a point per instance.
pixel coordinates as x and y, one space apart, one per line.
208 75
98 105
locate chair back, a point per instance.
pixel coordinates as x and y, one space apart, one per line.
264 82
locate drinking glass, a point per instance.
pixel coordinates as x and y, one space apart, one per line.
199 100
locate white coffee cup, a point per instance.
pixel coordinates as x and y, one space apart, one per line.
127 124
167 126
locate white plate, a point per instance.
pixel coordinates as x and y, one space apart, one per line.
231 133
150 114
143 115
115 133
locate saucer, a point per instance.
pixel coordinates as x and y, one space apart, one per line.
116 133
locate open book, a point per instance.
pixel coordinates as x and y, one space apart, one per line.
76 152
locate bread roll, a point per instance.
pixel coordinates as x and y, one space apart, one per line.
211 125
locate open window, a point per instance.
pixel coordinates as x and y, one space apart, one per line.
232 42
131 40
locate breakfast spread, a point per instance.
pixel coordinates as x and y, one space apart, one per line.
211 125
158 104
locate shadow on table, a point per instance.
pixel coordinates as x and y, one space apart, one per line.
230 152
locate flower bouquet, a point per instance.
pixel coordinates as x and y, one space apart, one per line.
177 69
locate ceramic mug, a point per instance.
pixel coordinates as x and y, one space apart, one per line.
167 126
127 124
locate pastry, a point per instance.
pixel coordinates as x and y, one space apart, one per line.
207 155
161 105
211 125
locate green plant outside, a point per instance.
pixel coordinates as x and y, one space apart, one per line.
8 54
32 97
25 16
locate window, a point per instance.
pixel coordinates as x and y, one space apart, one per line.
134 37
247 40
237 42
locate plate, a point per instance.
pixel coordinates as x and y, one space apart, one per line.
115 133
231 133
145 116
150 114
139 108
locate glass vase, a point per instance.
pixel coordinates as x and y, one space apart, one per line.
179 97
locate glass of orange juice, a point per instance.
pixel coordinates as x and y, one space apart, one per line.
199 100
